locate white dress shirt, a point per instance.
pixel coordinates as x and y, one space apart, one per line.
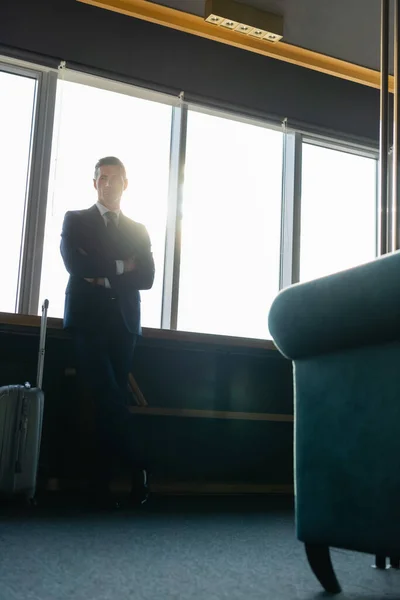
119 263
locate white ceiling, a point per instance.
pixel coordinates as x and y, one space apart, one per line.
346 29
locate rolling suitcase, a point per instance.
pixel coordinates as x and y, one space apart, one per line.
21 416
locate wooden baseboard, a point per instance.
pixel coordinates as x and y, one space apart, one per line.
184 488
219 489
210 414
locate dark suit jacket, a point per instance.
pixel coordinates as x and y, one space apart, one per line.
89 250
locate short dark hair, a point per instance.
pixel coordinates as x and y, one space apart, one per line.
109 161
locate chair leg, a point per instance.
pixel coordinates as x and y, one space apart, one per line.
320 562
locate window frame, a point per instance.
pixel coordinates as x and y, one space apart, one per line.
104 83
44 120
292 194
230 116
37 179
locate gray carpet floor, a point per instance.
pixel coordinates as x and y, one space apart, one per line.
179 549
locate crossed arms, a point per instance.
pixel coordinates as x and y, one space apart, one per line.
88 263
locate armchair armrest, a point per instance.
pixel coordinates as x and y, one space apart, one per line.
359 306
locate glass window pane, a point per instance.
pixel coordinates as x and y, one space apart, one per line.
231 227
17 101
93 123
338 211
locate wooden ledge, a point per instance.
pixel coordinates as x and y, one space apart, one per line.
210 414
208 338
195 25
18 320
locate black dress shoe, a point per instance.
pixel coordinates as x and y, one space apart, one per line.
140 488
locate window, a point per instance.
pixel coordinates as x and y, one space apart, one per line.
207 186
96 122
338 211
230 252
17 103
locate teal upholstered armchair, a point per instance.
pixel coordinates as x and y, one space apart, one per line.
342 333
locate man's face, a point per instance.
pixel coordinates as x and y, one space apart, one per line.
110 185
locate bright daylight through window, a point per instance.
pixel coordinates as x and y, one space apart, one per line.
17 102
231 227
92 123
338 211
225 172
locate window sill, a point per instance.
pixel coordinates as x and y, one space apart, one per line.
18 320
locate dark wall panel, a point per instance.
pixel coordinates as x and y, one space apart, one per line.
158 56
171 374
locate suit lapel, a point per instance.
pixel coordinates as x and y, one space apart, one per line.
96 217
121 243
127 242
97 230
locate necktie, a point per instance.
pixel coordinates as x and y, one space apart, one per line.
111 220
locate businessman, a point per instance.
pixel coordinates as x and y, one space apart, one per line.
109 259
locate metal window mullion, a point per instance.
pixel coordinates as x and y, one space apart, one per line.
390 205
396 133
384 132
32 247
172 262
291 210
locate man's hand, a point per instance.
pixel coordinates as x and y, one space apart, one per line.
130 264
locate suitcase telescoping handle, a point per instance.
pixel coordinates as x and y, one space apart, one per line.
42 344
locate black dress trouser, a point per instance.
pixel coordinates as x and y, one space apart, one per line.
104 361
